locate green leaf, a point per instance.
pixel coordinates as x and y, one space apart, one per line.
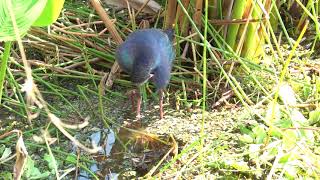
2 148
260 133
3 66
50 13
284 123
6 175
244 130
6 153
290 165
50 160
314 117
238 165
246 138
306 135
285 158
307 90
289 139
71 158
25 13
32 172
271 151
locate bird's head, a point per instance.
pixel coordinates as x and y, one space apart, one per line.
143 64
140 78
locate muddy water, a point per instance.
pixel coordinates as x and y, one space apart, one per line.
128 152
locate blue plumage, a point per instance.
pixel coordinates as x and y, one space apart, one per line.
148 53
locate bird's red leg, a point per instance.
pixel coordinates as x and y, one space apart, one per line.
161 103
138 105
132 96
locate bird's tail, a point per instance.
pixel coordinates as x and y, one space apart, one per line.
170 33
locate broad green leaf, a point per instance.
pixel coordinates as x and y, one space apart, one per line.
271 151
2 148
314 117
283 123
289 139
238 165
6 153
307 90
244 130
275 132
285 158
6 175
25 12
260 133
32 172
50 160
50 13
71 159
246 138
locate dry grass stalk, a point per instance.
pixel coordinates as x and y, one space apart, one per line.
182 20
141 8
197 16
170 13
115 35
213 9
107 21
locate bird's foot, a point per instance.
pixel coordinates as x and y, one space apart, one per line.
138 120
161 103
161 112
131 95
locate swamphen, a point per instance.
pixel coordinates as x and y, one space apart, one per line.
148 53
